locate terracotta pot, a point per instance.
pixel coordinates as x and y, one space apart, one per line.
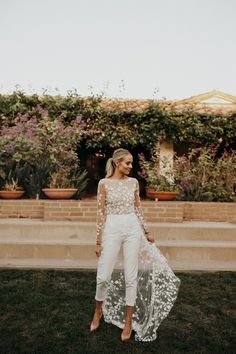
59 193
11 194
150 193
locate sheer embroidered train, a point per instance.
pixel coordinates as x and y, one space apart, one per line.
157 286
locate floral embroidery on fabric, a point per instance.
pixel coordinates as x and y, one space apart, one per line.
157 284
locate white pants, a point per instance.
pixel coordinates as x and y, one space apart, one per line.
119 229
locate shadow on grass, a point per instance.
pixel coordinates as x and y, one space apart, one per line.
49 311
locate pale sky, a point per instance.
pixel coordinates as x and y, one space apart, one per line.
169 49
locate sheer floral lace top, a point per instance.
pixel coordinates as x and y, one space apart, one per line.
118 196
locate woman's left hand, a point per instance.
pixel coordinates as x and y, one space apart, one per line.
150 239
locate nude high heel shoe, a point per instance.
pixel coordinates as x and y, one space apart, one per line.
94 326
126 337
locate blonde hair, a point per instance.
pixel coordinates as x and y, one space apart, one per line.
118 154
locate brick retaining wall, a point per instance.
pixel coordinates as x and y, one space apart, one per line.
21 208
85 210
211 211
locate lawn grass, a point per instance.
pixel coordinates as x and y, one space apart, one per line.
49 311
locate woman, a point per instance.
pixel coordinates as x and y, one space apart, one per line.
135 290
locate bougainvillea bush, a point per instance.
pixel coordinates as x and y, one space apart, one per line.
41 132
204 176
115 128
199 175
35 147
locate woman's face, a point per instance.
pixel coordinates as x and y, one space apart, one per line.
125 165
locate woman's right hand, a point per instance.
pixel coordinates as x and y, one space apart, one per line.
98 250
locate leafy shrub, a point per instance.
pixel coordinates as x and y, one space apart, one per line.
116 127
202 176
34 148
199 175
157 172
72 177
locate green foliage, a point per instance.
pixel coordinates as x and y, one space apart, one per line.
69 177
53 127
198 175
115 128
60 179
81 183
35 176
9 178
202 176
36 147
12 185
158 179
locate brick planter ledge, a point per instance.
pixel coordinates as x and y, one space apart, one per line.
85 210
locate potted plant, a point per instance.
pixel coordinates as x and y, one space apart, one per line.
65 183
36 145
160 185
167 190
11 190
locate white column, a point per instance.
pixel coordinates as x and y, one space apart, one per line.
166 158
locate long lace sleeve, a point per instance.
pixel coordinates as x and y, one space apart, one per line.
138 208
101 210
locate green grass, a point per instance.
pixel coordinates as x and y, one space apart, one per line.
48 311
